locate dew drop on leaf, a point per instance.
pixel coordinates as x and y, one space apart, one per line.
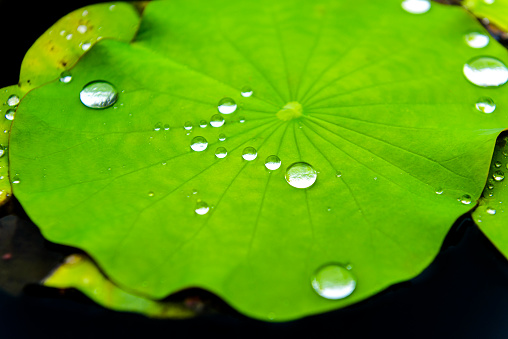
465 199
166 127
273 162
222 137
242 120
98 94
3 150
157 126
82 29
249 153
10 114
416 6
246 91
13 100
476 40
65 77
333 282
491 211
498 175
498 164
227 106
301 175
338 174
485 105
203 124
216 120
221 152
15 179
199 144
187 125
150 194
486 71
86 46
201 207
439 191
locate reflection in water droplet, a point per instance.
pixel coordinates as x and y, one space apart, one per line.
187 125
227 106
498 164
498 175
221 152
150 194
65 77
10 114
222 137
491 211
246 91
249 153
217 120
301 175
273 162
98 94
333 282
199 144
485 105
13 100
439 191
157 126
203 124
465 199
201 207
416 6
166 127
486 72
476 40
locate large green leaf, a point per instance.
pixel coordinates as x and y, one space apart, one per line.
373 97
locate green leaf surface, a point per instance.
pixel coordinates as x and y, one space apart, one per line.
496 11
371 96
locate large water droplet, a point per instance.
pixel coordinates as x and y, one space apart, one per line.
486 72
65 77
333 282
217 120
13 100
221 152
201 207
98 94
491 211
273 162
476 40
10 114
249 153
485 105
246 91
222 137
199 144
416 6
498 175
187 125
301 175
227 106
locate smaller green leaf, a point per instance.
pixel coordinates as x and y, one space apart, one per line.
496 11
80 272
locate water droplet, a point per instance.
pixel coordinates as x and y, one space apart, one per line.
199 144
65 77
86 46
249 153
242 120
246 91
273 162
217 120
498 175
194 191
203 124
157 126
16 180
221 152
338 174
333 282
98 94
227 106
82 29
68 37
490 186
485 105
201 207
10 114
150 194
13 100
416 6
489 2
222 137
491 211
3 150
476 40
301 175
486 72
465 199
439 191
166 127
498 164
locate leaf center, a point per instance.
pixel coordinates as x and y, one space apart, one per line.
291 110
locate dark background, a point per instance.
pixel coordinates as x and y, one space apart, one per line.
462 294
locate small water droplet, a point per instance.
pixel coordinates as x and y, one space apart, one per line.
199 144
217 120
301 175
221 152
82 29
242 120
498 175
203 124
476 40
194 191
338 174
498 164
151 194
10 114
166 127
112 7
65 77
201 207
246 91
86 46
485 105
227 106
439 191
187 125
490 186
486 72
465 199
333 282
491 211
416 6
157 126
13 100
273 162
222 137
69 36
249 153
489 2
98 94
16 180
